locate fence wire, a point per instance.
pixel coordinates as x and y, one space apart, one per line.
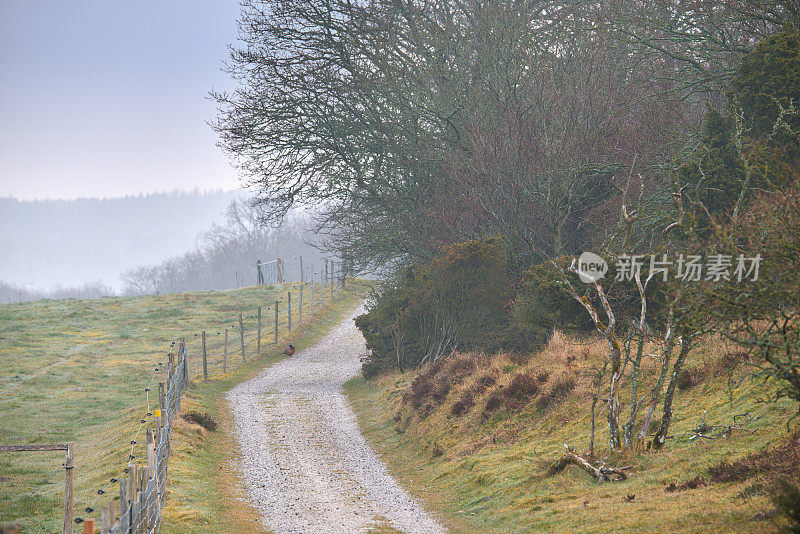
142 489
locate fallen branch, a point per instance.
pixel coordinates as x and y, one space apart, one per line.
601 472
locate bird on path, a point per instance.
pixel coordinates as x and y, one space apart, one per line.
289 350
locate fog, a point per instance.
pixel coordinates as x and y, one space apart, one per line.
178 241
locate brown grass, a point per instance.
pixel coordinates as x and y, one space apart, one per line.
495 451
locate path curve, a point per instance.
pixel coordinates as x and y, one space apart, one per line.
306 465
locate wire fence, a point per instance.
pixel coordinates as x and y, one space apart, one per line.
207 355
142 488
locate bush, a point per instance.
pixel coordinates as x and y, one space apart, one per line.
203 419
788 501
457 301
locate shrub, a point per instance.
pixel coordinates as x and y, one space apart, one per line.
202 419
689 378
494 401
464 404
522 387
557 393
457 301
787 499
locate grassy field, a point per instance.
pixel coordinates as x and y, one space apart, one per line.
484 469
78 370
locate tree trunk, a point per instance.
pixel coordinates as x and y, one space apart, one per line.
666 419
627 429
655 392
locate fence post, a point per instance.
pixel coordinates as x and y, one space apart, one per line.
326 276
88 526
276 322
280 271
302 279
161 397
105 519
258 344
205 359
185 360
151 453
68 504
225 354
241 337
124 506
150 479
323 287
289 312
300 307
133 484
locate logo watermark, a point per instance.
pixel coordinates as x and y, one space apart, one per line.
686 268
591 267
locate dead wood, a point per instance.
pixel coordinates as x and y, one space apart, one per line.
601 472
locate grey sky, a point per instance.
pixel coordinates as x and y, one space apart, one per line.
108 97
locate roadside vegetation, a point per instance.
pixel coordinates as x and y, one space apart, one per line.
648 376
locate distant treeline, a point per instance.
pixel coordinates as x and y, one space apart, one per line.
227 253
67 243
93 290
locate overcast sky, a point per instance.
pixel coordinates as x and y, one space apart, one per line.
108 97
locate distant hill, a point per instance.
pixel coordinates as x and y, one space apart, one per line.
48 243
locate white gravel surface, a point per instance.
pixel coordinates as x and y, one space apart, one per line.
306 465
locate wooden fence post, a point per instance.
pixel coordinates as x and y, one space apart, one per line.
161 397
124 506
151 453
68 500
105 519
326 275
185 360
280 271
241 337
149 478
302 279
133 492
276 322
205 359
258 344
225 354
300 307
289 312
88 526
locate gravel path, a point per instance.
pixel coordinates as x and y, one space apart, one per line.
307 466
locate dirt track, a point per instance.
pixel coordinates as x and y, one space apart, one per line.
307 466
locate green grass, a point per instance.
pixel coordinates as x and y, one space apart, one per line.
487 472
76 371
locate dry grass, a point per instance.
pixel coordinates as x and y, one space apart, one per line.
494 450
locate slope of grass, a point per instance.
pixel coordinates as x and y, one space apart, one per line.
205 492
77 371
481 465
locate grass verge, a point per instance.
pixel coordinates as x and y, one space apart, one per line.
481 465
